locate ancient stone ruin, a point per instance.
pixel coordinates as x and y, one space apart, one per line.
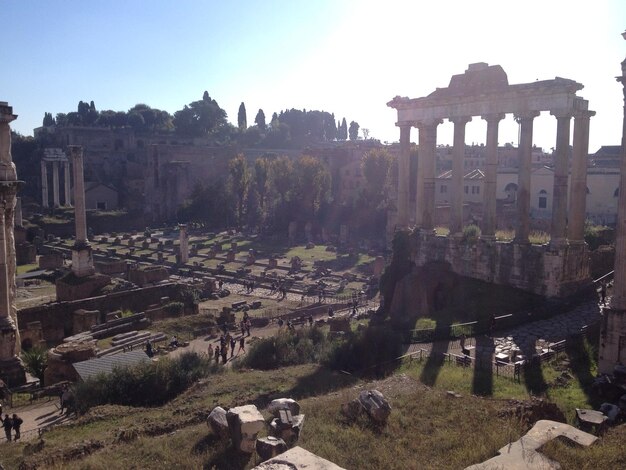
11 368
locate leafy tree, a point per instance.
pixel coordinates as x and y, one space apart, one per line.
376 165
242 120
354 130
261 180
281 177
313 184
61 119
136 121
200 118
259 120
239 183
48 120
274 119
343 134
209 206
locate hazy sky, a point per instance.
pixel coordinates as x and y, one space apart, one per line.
346 57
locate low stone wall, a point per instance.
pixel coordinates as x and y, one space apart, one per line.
540 269
57 319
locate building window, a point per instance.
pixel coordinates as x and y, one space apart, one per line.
443 189
543 199
477 189
466 190
616 193
101 206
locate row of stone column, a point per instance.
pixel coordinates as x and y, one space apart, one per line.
562 226
55 184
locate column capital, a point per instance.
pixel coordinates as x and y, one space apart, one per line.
493 117
460 119
526 115
583 114
404 124
562 113
428 123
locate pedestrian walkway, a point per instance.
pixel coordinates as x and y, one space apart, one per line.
532 336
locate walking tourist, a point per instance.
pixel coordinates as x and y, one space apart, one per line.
242 346
7 424
17 422
233 343
217 355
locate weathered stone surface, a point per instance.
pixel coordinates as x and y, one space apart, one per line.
287 431
218 423
268 447
352 409
524 454
284 404
245 422
376 405
298 459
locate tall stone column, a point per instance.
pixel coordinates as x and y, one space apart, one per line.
44 184
11 368
425 214
458 171
578 192
68 196
18 212
558 229
618 301
612 348
55 184
523 176
184 243
488 230
82 261
403 177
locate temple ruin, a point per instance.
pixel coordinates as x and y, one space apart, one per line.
554 270
57 158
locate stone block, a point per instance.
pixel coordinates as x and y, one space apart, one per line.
268 447
298 459
284 404
245 422
218 423
287 427
376 405
84 320
53 260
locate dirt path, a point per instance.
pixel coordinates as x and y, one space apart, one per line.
35 417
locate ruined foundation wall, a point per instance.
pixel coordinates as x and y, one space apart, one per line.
540 269
57 319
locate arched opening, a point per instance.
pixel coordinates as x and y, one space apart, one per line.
511 192
542 203
27 344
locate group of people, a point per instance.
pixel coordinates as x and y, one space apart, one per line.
281 288
249 285
226 341
290 324
11 424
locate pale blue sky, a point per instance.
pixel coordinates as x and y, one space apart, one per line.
346 57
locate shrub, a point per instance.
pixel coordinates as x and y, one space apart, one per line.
371 351
174 308
35 362
287 348
146 384
471 233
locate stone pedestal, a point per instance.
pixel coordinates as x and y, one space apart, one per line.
82 260
612 340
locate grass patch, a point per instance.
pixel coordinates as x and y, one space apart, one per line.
184 326
25 268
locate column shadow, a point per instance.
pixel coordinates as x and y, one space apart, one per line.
580 365
482 382
434 362
532 374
